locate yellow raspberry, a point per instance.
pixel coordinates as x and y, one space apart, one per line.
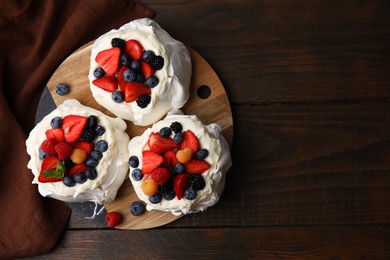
78 156
149 187
184 155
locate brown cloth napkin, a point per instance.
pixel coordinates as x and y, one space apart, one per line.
35 37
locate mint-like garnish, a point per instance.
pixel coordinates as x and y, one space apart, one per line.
58 172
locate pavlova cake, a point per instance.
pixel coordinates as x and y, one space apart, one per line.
139 72
78 154
179 164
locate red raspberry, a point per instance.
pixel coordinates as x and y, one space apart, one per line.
48 146
63 150
161 175
113 219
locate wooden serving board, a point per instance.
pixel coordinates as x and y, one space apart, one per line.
208 100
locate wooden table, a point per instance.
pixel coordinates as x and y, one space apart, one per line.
309 87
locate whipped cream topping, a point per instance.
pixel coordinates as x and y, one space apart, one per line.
219 158
112 168
174 77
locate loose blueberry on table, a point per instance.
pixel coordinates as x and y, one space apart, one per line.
69 152
127 71
171 167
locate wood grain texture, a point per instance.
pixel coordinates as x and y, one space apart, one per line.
214 108
367 242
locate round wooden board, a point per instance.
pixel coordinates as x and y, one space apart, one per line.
212 109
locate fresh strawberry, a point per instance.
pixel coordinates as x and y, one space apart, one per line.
48 146
196 166
121 81
147 69
190 141
161 175
180 184
49 163
63 150
86 146
133 90
49 171
113 219
108 83
150 161
170 159
73 126
56 133
159 144
44 179
109 60
134 49
77 168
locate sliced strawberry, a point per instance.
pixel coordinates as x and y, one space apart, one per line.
56 133
73 126
196 166
147 69
180 184
190 141
48 146
150 161
134 49
170 159
133 90
86 146
108 83
160 175
159 144
78 168
63 150
109 60
121 81
49 163
44 179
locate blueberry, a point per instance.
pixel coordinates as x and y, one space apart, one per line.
100 130
148 56
56 122
42 154
92 121
129 75
91 162
152 81
190 194
98 72
133 161
165 132
137 174
135 65
91 173
201 154
178 138
97 155
155 198
69 181
62 89
125 60
137 208
140 77
169 195
101 146
179 168
118 96
80 178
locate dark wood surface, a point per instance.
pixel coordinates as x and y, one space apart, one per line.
309 87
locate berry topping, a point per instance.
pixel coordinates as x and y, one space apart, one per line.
62 89
146 69
143 101
178 138
133 161
137 175
135 65
184 155
91 162
179 168
134 49
56 122
170 159
133 90
88 134
56 133
155 198
97 155
98 72
69 181
109 60
159 144
190 141
197 181
148 56
52 170
108 83
137 208
118 43
92 121
129 75
78 156
84 145
180 185
149 187
165 132
157 62
118 96
202 154
113 219
91 173
160 175
125 59
63 150
77 168
73 126
151 81
150 161
197 166
101 146
100 130
48 146
176 127
80 178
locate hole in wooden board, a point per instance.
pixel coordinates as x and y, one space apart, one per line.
203 91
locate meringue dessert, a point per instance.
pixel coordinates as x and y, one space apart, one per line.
179 164
139 72
78 154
